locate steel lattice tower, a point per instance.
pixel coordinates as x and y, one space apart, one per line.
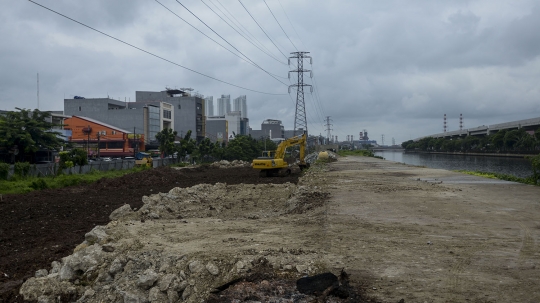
300 120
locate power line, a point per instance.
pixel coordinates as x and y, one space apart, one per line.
291 24
280 25
227 41
152 54
262 29
270 55
248 60
241 25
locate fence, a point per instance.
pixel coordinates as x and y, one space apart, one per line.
51 168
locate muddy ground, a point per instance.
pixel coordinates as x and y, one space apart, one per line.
42 226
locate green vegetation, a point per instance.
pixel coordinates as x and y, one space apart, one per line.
505 177
24 132
509 141
357 152
22 185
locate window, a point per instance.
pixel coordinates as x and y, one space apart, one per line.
166 114
114 132
103 132
179 107
80 108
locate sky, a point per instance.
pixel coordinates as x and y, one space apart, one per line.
392 67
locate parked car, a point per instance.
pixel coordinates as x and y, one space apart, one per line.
106 159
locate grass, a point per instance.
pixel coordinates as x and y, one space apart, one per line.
358 152
18 185
505 177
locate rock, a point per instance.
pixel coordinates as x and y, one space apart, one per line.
301 268
156 296
172 296
55 267
43 289
186 293
240 265
179 285
212 268
116 266
41 273
66 273
121 212
96 235
132 297
153 215
147 279
165 282
196 267
89 293
108 248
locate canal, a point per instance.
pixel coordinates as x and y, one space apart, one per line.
512 166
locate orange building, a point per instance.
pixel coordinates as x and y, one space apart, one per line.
101 139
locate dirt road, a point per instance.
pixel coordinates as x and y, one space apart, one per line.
429 235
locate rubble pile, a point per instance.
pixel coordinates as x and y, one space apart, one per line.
120 263
229 164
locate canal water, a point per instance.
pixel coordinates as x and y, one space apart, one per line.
511 166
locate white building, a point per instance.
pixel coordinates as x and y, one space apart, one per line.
224 105
209 106
240 105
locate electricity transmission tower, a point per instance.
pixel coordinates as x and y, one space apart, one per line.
300 120
328 129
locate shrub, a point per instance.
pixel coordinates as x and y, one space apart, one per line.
22 169
535 163
39 184
4 171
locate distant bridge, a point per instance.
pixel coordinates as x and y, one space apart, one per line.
527 124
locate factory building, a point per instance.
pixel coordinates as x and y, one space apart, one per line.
101 139
148 115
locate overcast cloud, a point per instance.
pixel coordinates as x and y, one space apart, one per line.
390 67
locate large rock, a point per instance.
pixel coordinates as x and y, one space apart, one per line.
147 279
44 288
96 235
123 212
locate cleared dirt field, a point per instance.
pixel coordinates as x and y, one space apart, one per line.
430 235
401 233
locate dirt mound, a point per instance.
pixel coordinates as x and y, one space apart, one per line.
43 226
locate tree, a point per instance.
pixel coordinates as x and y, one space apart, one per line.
166 139
24 132
187 145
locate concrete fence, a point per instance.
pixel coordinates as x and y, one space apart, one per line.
51 168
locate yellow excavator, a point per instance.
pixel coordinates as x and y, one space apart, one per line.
273 164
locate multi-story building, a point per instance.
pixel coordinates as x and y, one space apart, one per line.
188 110
240 105
140 118
270 128
209 106
224 105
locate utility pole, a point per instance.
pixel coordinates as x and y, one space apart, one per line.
328 129
300 120
98 142
38 91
